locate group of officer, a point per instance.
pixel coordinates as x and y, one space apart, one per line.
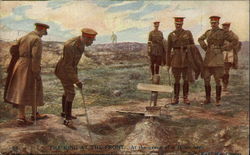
181 56
24 85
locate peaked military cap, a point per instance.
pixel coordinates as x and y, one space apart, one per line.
214 19
156 22
41 25
226 24
90 33
179 20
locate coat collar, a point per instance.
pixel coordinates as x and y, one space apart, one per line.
179 30
215 29
35 33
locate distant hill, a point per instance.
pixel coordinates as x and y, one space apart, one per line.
121 51
109 47
119 47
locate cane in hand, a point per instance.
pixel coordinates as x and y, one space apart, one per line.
170 83
35 104
85 108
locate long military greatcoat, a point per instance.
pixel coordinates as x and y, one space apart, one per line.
23 88
66 69
214 48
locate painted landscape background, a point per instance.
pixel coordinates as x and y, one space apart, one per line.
111 73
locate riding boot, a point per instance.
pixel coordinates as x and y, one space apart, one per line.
185 93
68 120
176 93
63 106
63 114
218 95
208 94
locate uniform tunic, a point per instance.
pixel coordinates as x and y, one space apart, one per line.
66 68
23 88
214 58
179 42
157 53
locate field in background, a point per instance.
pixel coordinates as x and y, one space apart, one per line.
110 77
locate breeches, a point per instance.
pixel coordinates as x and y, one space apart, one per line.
69 90
217 72
155 60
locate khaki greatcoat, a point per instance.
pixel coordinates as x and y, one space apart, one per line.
23 88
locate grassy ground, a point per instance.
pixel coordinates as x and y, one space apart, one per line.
102 80
100 83
211 129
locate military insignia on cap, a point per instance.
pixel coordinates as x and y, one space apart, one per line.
214 19
179 20
226 24
90 33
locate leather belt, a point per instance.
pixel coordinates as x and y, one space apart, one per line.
180 48
214 46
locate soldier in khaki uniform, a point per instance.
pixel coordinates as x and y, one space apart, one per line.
179 42
24 85
214 62
66 70
230 56
156 49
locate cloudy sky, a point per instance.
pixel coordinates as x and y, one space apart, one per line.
130 20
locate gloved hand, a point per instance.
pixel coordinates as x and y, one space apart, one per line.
79 84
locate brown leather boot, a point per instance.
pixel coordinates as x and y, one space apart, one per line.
185 93
69 124
208 94
68 120
63 114
218 95
63 106
70 113
38 116
176 93
225 81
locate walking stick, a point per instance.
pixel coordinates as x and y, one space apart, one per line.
35 101
170 83
85 107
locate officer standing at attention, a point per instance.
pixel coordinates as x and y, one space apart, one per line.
214 61
156 50
179 42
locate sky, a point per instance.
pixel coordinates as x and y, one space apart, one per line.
131 21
